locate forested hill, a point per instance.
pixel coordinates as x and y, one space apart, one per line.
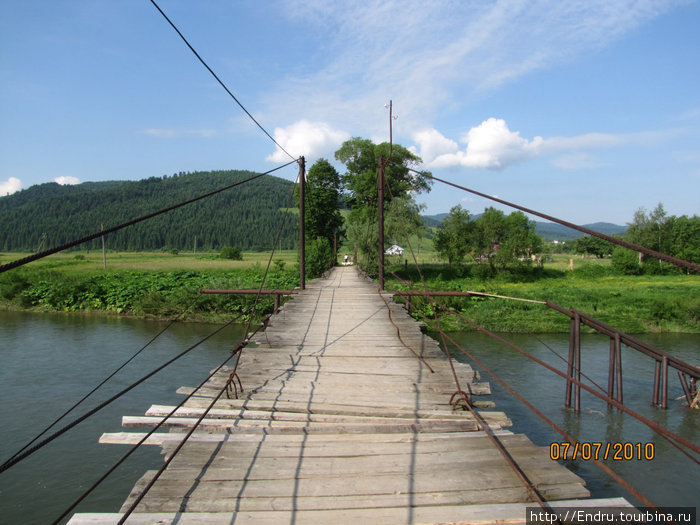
247 216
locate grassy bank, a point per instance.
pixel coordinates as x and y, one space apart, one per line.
147 285
633 304
163 285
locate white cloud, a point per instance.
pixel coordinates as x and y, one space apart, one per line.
490 145
493 145
431 57
67 180
9 186
310 139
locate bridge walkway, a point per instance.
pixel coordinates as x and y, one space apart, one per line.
341 420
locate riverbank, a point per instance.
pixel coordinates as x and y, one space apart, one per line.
164 286
632 304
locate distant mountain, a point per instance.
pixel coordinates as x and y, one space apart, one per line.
246 216
549 231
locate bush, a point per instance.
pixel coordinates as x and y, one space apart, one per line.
231 253
625 261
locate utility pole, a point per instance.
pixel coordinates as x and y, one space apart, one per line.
380 219
302 232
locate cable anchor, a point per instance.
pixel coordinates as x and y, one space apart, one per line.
460 398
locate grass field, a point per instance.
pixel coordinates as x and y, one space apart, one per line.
156 261
160 284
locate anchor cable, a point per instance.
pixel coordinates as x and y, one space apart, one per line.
220 81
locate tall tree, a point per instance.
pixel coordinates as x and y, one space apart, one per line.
454 236
361 159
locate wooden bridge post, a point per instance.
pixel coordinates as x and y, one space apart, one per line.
302 232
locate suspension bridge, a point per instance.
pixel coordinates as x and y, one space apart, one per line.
340 411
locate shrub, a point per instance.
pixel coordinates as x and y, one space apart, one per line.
231 253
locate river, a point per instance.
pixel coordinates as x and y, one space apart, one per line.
49 361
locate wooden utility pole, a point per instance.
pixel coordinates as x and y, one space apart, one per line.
380 219
302 232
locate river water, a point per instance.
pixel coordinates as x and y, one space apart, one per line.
49 361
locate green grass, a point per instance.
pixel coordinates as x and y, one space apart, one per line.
162 284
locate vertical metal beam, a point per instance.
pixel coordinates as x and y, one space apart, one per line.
380 219
657 378
577 348
664 392
570 367
302 230
611 370
618 366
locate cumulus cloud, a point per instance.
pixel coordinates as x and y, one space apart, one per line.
492 145
489 145
67 180
311 139
9 186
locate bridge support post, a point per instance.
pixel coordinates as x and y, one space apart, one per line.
574 363
615 369
302 232
380 219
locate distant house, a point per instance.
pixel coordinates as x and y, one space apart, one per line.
394 250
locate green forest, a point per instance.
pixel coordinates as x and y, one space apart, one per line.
247 216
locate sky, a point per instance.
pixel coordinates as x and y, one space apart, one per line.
586 111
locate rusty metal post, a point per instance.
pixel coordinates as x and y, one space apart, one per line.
657 378
302 230
277 302
380 219
664 393
611 371
618 366
577 348
570 367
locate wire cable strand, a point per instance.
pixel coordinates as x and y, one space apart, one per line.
41 255
220 81
637 248
13 461
110 376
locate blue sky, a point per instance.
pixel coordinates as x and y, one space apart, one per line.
582 110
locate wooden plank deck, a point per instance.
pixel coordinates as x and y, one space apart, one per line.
340 422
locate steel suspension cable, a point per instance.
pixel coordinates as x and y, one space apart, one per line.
219 80
41 255
657 255
566 436
651 424
110 376
13 461
177 449
148 435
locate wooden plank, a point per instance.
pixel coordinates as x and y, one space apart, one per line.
512 513
340 422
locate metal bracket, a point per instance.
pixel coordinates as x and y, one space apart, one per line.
231 385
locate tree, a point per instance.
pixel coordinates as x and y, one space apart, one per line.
591 245
361 159
322 217
454 236
505 239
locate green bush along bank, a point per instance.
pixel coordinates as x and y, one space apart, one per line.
141 293
632 304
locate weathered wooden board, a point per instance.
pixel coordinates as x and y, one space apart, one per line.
339 422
